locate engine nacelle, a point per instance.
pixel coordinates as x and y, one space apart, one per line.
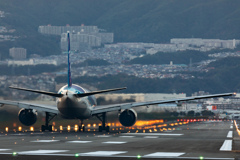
128 117
27 116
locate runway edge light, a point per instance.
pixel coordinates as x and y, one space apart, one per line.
14 153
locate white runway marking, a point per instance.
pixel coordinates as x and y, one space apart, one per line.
114 142
5 149
103 136
231 126
40 133
42 152
79 141
127 136
150 137
45 141
18 134
164 154
230 134
103 153
154 134
227 145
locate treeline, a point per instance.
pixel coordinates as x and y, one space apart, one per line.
28 69
92 62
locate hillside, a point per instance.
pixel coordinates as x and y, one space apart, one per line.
131 21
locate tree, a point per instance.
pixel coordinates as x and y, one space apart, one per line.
191 113
197 114
175 114
207 113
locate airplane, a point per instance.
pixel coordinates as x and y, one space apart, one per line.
76 102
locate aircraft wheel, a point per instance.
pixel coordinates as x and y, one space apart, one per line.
43 128
100 128
107 129
50 128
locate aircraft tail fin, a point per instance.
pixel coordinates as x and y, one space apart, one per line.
69 64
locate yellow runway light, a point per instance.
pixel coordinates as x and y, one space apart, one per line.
68 127
76 128
32 129
61 128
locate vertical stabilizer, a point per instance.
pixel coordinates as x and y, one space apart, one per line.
69 65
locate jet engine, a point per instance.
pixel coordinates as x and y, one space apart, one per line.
128 117
27 116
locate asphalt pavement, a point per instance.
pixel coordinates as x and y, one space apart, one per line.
193 140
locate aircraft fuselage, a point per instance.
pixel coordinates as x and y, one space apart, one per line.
71 107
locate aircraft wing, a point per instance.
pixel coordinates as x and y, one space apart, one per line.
39 107
115 107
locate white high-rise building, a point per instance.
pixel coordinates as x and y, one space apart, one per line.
18 53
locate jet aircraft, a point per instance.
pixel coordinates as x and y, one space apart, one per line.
76 102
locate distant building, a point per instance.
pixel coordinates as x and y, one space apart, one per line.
82 37
58 30
33 61
211 43
2 14
80 41
18 53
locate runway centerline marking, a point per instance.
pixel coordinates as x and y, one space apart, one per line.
127 136
154 134
231 126
41 152
230 134
227 145
114 142
78 141
150 137
164 154
17 134
5 149
102 153
45 141
104 136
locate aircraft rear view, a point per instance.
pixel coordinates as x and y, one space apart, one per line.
76 102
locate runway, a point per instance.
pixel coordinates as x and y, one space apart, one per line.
194 140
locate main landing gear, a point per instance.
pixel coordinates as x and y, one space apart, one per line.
81 128
48 118
102 118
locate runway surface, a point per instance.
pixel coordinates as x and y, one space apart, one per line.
194 140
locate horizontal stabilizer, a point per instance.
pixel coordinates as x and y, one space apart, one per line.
37 91
97 92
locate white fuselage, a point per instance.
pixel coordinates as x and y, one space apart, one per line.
71 107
